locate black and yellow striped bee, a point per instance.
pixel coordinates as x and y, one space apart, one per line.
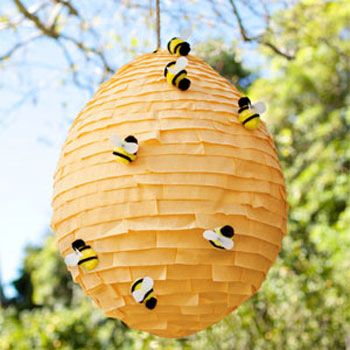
142 291
83 256
179 47
248 114
221 238
125 150
176 74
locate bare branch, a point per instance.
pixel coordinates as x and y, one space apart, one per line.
241 27
56 11
277 50
261 38
72 10
218 13
50 32
18 46
18 19
49 29
88 49
72 67
251 6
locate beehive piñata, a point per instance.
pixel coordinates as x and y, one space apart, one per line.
150 223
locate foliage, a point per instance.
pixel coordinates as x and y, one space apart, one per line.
226 61
304 304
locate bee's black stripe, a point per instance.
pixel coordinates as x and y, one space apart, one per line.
177 46
243 109
215 245
136 284
121 155
84 248
168 65
251 118
87 259
177 75
147 294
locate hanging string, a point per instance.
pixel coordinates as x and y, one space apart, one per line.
158 23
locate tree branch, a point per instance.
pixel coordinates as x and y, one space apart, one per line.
50 32
72 10
261 39
80 45
72 67
18 46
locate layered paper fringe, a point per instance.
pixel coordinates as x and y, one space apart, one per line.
197 168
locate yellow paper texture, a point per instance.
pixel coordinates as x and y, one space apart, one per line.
141 193
209 180
197 168
146 257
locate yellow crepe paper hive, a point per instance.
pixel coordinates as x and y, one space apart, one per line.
197 168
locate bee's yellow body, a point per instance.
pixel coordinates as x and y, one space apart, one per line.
217 243
224 231
244 118
137 285
122 156
89 259
148 297
179 80
178 47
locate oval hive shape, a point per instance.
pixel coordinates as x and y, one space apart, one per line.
197 168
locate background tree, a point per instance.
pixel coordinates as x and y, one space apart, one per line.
89 40
225 59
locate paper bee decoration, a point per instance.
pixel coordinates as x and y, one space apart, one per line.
186 232
178 47
142 291
248 114
221 238
176 74
125 150
83 255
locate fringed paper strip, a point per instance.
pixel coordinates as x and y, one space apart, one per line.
197 168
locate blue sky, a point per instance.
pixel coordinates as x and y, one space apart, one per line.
32 131
29 149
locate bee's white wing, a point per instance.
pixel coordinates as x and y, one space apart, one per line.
72 259
210 235
147 284
131 147
138 295
227 243
180 64
115 140
259 107
172 70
